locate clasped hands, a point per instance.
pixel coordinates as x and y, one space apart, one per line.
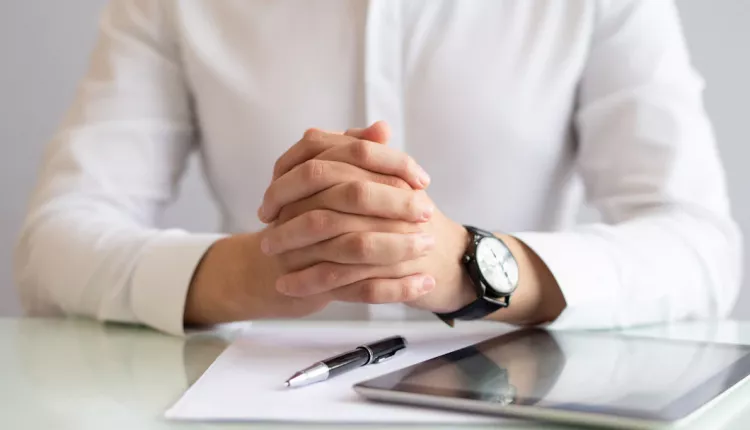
349 219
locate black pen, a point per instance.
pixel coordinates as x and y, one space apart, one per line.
373 353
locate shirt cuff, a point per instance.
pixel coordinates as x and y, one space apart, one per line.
162 277
583 271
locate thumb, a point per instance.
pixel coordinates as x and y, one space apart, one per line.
378 132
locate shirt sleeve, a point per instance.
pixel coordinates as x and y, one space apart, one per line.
89 245
667 247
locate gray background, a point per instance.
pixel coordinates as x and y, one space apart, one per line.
44 47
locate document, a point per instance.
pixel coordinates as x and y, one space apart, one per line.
246 382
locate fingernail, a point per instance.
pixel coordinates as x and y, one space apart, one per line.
262 213
281 286
427 212
265 246
422 177
427 285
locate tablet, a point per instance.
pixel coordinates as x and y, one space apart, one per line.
575 377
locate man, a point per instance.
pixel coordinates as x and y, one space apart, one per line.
504 108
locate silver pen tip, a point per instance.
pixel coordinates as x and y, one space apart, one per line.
315 373
295 380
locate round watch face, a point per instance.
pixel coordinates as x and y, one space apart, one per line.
497 266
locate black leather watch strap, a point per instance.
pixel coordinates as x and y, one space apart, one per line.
479 231
475 310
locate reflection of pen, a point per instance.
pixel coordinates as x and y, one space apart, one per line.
376 352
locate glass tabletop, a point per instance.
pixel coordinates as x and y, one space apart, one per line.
78 374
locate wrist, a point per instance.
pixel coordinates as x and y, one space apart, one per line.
203 305
538 298
225 281
456 289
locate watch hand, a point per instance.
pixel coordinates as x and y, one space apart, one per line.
502 267
497 259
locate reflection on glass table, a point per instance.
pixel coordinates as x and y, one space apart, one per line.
606 373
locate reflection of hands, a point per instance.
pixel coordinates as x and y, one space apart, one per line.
351 221
520 366
533 358
463 372
521 363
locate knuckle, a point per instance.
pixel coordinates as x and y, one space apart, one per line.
313 170
328 274
277 167
312 135
361 151
358 193
318 220
363 246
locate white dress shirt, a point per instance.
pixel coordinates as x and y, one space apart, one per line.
519 111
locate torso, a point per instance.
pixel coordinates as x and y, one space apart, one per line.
480 93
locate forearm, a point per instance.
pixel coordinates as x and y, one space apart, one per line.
79 255
662 265
72 261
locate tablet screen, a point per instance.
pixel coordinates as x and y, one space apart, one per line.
605 373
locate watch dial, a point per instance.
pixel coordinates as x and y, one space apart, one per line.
497 265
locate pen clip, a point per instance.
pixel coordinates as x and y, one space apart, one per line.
386 357
384 349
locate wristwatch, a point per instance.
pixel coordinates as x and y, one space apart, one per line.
493 272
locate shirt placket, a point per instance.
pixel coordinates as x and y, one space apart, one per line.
384 91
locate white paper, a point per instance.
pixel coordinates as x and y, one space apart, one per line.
246 383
